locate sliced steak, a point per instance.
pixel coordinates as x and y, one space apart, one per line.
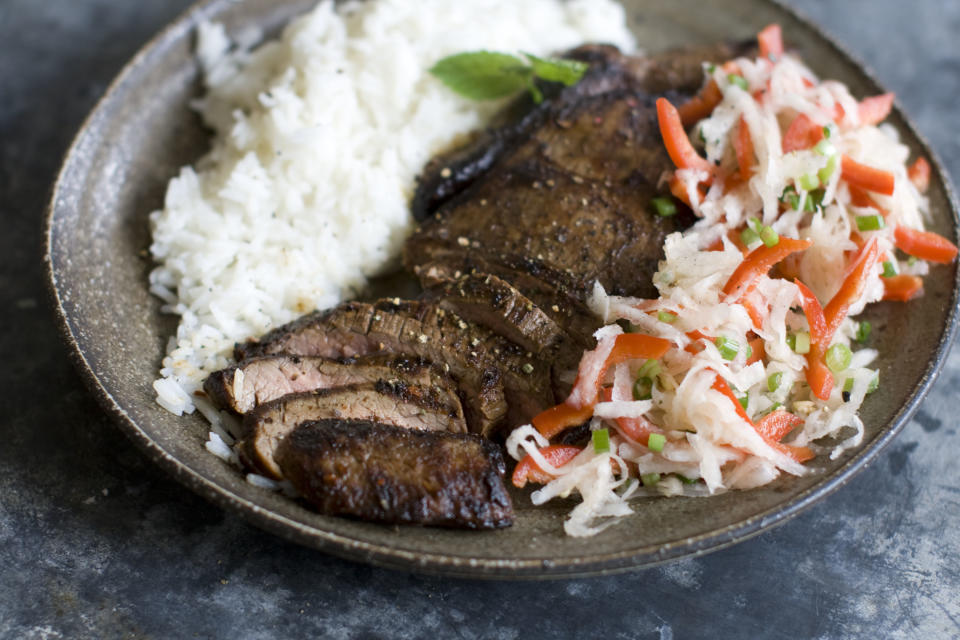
243 386
550 207
399 404
571 314
476 357
678 71
382 473
487 300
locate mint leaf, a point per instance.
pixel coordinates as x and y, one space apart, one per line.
557 70
483 75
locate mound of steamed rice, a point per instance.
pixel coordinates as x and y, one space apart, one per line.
318 138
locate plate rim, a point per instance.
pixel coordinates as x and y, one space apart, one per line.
465 566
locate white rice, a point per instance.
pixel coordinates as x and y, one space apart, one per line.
318 139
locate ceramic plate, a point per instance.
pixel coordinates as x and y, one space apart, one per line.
142 132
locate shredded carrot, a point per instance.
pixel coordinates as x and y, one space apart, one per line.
803 133
701 105
925 245
770 40
875 109
681 152
866 177
919 174
529 471
902 288
757 263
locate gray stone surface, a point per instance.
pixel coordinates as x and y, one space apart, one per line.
96 542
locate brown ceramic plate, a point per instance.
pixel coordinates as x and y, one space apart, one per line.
143 131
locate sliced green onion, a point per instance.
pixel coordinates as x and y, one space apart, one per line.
748 237
827 132
728 348
650 369
749 352
650 479
601 441
666 316
790 197
889 269
870 223
809 182
911 260
643 389
863 331
744 401
769 236
755 224
774 407
799 342
813 201
773 382
711 68
826 172
685 479
874 383
665 207
824 148
838 357
740 81
655 442
848 385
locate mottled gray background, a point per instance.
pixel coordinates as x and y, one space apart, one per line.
96 542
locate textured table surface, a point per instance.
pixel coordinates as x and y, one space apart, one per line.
97 542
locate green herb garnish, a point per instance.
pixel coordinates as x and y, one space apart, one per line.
487 75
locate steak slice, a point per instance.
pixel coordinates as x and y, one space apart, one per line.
241 387
382 473
494 303
571 314
396 403
475 356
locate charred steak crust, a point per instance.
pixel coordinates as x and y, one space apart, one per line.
241 387
382 473
397 403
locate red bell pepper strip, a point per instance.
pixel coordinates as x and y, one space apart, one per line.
902 288
803 133
529 471
758 263
919 174
818 374
758 347
743 147
681 152
555 419
800 454
925 245
586 388
867 177
770 40
701 105
875 109
777 424
852 287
